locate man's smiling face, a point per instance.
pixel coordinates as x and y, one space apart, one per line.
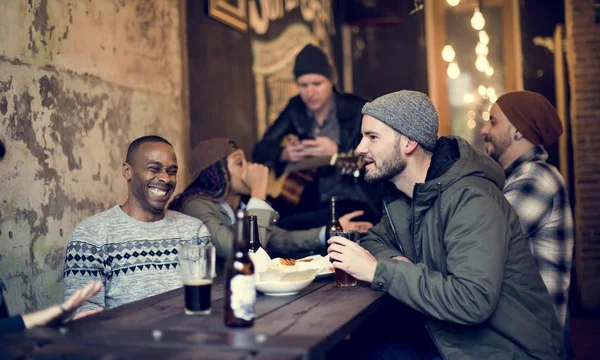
153 176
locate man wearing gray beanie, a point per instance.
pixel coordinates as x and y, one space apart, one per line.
318 122
450 246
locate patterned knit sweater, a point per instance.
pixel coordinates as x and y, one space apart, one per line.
133 259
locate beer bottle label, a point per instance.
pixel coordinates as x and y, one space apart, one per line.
243 296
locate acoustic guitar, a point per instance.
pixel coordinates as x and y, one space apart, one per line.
290 185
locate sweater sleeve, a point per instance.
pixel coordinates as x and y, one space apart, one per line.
84 263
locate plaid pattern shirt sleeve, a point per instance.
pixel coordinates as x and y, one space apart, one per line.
537 193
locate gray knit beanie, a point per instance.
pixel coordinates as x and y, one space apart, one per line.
411 113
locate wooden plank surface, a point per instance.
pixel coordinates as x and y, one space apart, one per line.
329 314
215 322
175 341
86 351
147 312
305 325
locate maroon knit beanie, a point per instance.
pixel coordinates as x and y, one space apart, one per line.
533 116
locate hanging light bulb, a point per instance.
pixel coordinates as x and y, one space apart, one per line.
453 71
485 116
489 71
448 53
491 92
481 63
471 114
469 98
481 49
484 37
481 90
477 21
493 98
453 2
471 124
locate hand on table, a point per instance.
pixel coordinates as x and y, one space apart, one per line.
352 258
45 316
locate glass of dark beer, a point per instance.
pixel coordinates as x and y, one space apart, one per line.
343 279
197 267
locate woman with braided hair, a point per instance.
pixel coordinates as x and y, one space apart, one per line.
221 176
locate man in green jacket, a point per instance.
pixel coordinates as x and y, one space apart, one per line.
450 246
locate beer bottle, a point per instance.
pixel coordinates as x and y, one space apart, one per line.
334 224
253 232
240 290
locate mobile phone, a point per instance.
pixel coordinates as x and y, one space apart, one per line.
305 137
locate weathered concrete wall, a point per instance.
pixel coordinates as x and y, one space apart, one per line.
78 81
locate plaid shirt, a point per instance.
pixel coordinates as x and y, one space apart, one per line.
537 192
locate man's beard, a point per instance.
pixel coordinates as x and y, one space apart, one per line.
500 145
390 167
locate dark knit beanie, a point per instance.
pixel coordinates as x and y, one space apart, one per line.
410 113
312 60
533 116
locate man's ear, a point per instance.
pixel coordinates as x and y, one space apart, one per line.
410 146
517 136
127 171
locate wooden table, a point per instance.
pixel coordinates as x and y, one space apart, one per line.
301 326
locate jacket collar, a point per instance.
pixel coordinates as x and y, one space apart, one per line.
445 156
536 154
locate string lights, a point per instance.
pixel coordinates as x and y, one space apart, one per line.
484 94
477 20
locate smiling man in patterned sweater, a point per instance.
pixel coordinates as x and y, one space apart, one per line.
132 248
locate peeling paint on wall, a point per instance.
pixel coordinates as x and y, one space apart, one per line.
70 103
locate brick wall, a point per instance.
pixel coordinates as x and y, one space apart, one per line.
583 58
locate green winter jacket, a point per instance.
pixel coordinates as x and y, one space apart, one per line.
474 278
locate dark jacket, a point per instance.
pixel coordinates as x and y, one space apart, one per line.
294 119
474 279
10 324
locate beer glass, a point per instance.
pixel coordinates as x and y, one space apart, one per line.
343 279
197 268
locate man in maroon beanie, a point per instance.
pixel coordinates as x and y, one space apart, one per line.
521 124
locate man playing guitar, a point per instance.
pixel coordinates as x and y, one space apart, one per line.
322 122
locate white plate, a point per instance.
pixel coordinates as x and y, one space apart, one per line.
325 273
282 288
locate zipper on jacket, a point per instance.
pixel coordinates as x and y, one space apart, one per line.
440 231
435 343
412 225
442 261
393 228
